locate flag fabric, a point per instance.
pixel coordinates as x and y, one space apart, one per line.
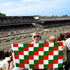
38 56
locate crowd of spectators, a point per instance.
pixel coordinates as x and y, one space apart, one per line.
22 19
10 20
16 30
7 63
50 24
54 18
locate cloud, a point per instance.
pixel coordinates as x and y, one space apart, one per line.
35 7
28 1
7 4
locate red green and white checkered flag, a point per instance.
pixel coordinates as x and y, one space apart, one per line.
38 56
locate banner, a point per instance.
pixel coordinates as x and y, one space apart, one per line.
38 56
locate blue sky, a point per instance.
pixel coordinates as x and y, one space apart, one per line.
35 7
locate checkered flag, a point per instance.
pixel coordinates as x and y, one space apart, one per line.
38 56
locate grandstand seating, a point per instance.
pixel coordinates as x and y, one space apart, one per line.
16 20
11 26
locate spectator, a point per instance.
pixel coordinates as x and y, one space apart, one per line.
60 37
36 38
8 61
68 49
52 39
15 68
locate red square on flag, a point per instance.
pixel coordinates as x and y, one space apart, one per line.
25 48
21 53
31 45
50 66
41 62
55 48
15 45
16 56
41 48
31 57
26 61
46 44
55 61
22 66
36 66
60 43
50 52
45 57
60 56
36 53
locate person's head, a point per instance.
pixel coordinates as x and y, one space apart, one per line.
36 37
52 39
67 35
60 37
7 54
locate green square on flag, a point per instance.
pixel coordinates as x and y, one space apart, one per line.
26 57
36 62
41 57
60 65
31 66
45 52
56 44
41 45
31 53
50 61
46 66
20 48
60 52
55 56
25 45
51 48
36 49
16 53
21 61
17 65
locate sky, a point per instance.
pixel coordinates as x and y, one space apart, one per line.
35 7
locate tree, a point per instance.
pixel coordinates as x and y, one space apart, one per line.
54 16
2 15
65 16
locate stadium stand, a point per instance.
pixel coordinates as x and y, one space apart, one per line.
13 26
